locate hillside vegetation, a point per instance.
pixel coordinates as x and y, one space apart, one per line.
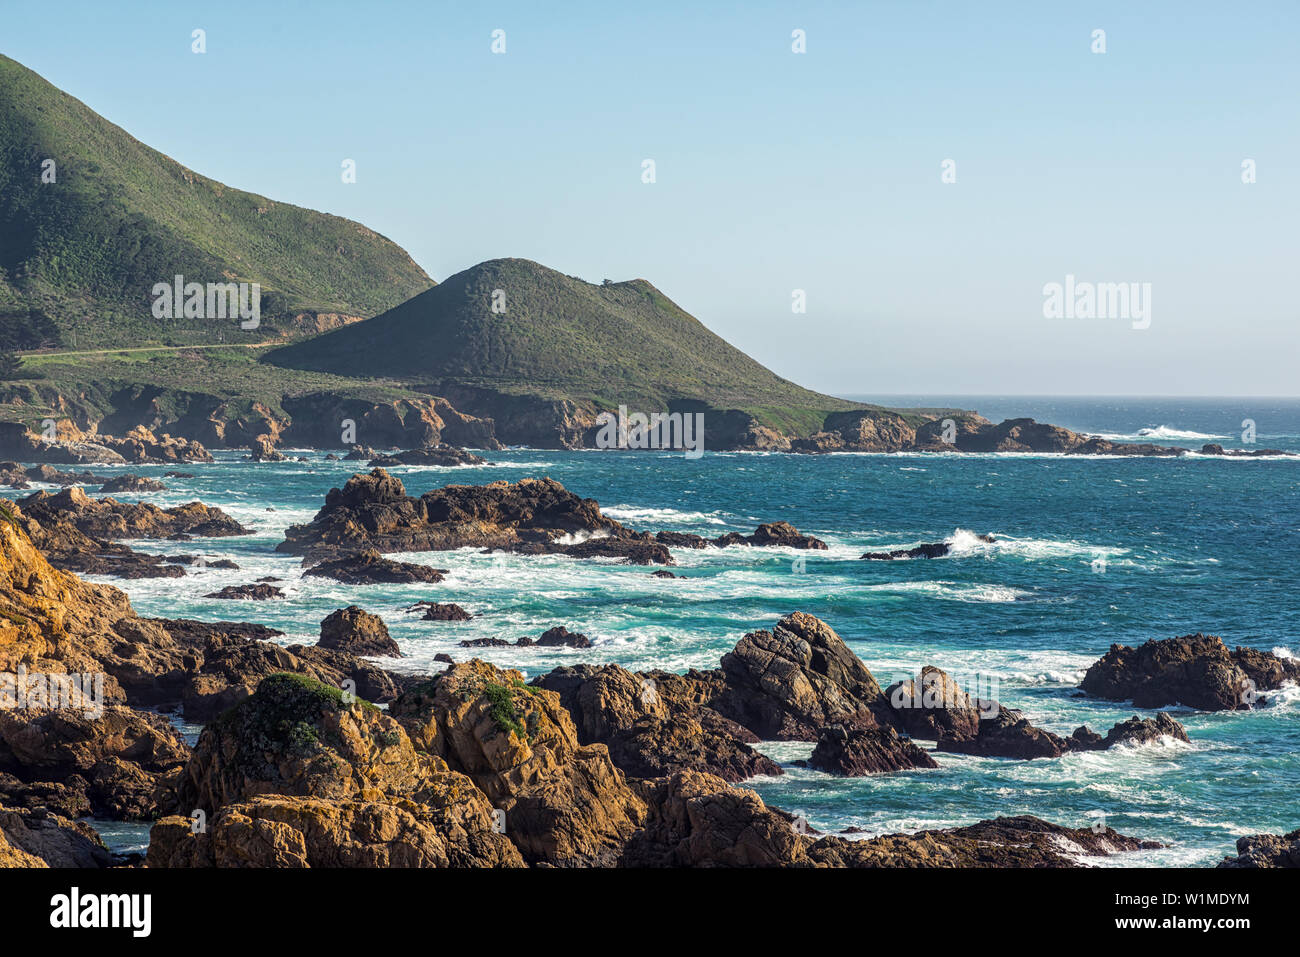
79 256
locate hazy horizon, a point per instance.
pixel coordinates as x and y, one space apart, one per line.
777 171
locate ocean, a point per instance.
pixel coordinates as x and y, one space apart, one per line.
1089 552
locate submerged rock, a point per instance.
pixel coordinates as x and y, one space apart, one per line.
260 592
924 550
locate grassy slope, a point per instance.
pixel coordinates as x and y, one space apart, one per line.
230 374
623 343
87 249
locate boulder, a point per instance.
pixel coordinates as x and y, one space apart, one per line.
358 632
789 683
1197 671
863 751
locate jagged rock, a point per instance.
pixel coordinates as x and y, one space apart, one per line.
445 455
789 683
924 550
565 803
110 519
698 820
119 759
298 736
1139 731
561 637
132 483
247 592
451 829
1022 841
374 511
1006 734
30 836
1266 850
781 534
355 630
1213 448
227 669
18 476
633 549
866 751
934 706
1197 671
371 568
437 611
300 775
664 573
647 734
262 449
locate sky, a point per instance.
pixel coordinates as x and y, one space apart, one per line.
776 171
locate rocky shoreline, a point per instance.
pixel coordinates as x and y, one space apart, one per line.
474 767
433 432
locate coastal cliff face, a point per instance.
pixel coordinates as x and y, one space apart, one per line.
175 427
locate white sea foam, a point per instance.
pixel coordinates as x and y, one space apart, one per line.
660 516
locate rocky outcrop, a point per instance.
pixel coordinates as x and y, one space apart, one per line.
43 839
565 804
110 519
529 517
18 476
924 550
450 829
1213 448
370 568
1022 841
301 775
132 483
1266 850
438 611
1137 730
649 734
258 592
774 534
262 449
779 534
1198 671
561 637
934 705
791 682
443 455
354 630
373 511
114 762
862 751
1009 734
1006 734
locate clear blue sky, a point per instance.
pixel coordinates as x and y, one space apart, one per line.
775 171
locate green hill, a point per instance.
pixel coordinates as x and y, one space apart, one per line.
559 338
80 255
